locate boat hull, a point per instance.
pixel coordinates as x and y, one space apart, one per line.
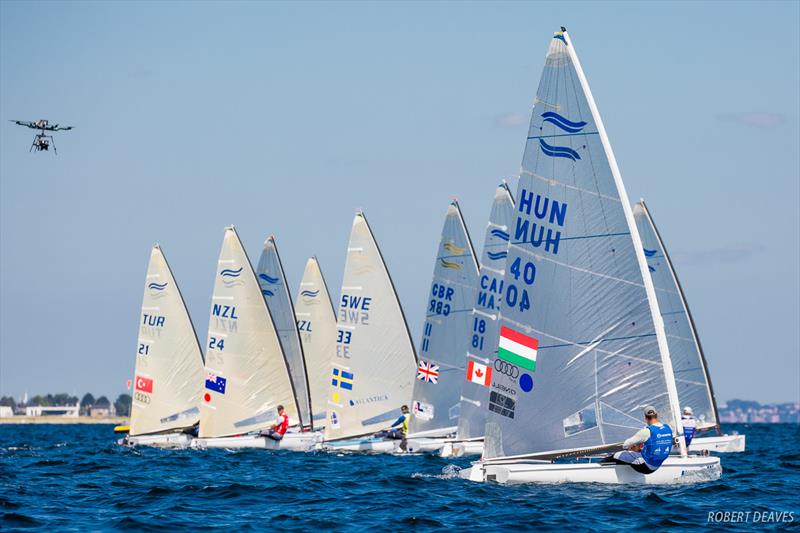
445 447
675 470
372 445
719 444
166 440
297 442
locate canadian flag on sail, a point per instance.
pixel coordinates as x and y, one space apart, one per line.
478 373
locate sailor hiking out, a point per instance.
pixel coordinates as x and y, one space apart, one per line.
278 429
689 423
648 447
398 429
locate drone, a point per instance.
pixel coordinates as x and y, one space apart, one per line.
42 142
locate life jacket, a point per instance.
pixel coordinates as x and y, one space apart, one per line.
689 428
283 425
657 447
405 423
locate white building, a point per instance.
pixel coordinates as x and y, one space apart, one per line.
65 410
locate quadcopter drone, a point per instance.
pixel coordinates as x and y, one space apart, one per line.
42 142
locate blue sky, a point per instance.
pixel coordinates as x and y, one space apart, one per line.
284 118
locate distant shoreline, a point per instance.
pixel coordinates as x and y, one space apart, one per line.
63 420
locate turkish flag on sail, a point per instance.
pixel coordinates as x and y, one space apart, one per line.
144 384
478 373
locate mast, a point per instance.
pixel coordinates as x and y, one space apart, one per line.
688 313
658 322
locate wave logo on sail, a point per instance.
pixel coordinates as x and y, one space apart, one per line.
453 249
558 151
156 289
563 122
230 276
267 292
649 253
494 256
309 297
450 264
269 279
500 234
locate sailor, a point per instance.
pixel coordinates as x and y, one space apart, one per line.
648 448
398 429
689 425
278 429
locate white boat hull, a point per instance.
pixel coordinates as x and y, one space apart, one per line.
719 444
373 445
165 440
445 447
674 470
296 442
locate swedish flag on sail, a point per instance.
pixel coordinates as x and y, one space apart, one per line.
342 379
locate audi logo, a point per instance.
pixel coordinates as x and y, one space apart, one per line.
141 397
506 368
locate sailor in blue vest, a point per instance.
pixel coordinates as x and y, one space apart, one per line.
648 448
689 424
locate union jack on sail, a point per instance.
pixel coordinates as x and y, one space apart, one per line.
427 371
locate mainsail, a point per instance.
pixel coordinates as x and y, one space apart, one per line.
169 362
581 332
272 279
316 321
446 332
688 361
485 318
246 374
374 364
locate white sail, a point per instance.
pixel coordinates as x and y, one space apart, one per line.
580 324
485 319
272 279
168 377
447 331
246 374
316 321
374 364
688 362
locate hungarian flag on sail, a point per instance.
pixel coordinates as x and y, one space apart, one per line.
517 349
478 373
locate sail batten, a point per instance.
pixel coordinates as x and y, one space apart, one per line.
445 334
374 361
246 376
169 361
582 346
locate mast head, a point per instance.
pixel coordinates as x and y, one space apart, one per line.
563 28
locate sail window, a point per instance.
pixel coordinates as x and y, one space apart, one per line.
583 420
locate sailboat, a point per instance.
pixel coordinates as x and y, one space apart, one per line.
485 330
580 322
316 322
169 364
374 364
692 378
246 374
446 334
272 279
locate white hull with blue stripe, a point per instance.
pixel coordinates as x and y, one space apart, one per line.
365 444
675 470
163 440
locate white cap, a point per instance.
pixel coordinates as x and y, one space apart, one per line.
688 410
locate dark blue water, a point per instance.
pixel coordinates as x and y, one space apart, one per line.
75 477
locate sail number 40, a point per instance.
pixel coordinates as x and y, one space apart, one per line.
516 296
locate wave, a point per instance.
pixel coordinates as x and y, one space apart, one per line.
157 286
450 264
563 122
267 292
558 151
231 273
453 249
310 294
269 279
500 234
649 253
494 256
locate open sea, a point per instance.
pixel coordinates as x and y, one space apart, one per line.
75 477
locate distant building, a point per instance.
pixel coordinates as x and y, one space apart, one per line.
64 410
6 411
